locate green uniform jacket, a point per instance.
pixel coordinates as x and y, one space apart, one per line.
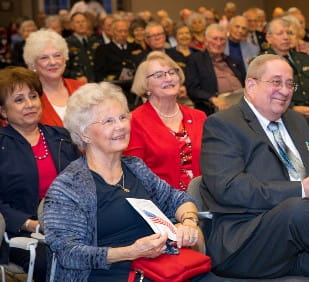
300 65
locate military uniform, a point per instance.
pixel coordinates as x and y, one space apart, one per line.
81 58
111 61
300 65
261 38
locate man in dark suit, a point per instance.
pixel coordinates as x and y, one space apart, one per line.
81 50
254 36
210 72
113 61
258 198
156 41
105 29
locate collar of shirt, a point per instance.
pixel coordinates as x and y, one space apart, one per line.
285 134
80 38
216 57
121 46
106 38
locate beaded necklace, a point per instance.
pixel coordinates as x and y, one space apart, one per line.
45 148
164 115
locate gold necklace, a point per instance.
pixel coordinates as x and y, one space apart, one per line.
127 190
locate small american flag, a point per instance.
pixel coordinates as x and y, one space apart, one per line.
159 220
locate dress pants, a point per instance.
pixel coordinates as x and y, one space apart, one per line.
279 246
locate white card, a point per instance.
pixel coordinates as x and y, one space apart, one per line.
154 217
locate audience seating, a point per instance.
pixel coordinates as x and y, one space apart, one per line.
25 243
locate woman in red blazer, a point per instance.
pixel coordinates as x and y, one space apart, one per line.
165 134
46 52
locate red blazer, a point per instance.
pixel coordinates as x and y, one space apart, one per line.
153 143
49 115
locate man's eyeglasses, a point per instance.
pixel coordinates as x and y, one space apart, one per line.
111 121
278 83
162 74
155 35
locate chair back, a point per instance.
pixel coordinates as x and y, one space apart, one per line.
194 192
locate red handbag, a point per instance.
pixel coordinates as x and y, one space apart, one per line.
166 268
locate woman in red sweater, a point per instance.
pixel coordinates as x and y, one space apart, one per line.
165 134
46 52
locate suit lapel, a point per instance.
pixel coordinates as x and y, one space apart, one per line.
77 42
211 70
253 122
298 139
255 125
294 132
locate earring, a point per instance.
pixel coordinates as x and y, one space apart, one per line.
148 93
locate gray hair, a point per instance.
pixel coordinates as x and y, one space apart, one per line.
26 23
214 26
38 41
292 20
256 67
79 111
119 20
51 19
270 26
194 16
232 21
140 83
152 24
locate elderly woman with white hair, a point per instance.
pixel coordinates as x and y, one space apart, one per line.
197 25
46 52
88 223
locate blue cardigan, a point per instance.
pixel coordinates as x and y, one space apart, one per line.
70 216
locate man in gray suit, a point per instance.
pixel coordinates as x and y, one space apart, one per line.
257 186
237 46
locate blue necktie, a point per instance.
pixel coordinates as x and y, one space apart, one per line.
291 162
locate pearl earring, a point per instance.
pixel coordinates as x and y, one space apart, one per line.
148 92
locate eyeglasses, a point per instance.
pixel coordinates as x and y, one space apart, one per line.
162 74
111 121
155 35
278 83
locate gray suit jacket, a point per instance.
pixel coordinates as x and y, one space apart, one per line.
243 176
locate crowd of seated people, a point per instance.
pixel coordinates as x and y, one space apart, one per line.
95 48
197 60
